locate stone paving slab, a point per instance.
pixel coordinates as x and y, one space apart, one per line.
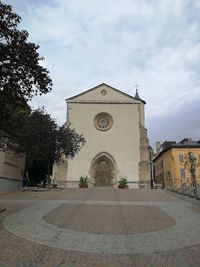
106 194
30 225
118 219
178 249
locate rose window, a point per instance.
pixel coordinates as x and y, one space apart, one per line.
103 121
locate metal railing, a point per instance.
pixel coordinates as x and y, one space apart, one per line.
185 187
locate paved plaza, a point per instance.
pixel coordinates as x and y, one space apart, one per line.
99 227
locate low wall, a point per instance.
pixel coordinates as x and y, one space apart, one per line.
11 168
7 185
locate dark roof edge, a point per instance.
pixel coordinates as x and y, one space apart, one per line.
113 88
175 146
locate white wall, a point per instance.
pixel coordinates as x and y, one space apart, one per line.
121 141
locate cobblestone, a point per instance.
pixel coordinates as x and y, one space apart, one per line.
149 206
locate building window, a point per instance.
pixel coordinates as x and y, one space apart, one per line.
168 175
103 121
182 173
180 158
103 92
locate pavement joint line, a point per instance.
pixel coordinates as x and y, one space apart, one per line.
29 224
93 202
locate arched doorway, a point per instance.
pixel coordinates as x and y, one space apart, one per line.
103 175
103 170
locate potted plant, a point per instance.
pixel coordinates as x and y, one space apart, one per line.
122 183
83 182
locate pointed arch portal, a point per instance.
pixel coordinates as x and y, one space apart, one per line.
103 170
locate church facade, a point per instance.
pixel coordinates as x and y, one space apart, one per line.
113 124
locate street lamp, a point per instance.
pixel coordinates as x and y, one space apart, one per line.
150 151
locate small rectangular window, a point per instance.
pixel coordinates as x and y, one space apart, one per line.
180 158
168 175
182 173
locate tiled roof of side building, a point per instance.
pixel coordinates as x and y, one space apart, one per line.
185 143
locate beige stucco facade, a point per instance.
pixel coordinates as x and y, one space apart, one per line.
11 167
121 148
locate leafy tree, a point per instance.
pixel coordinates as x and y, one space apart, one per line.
68 143
34 133
13 114
20 71
44 142
21 74
191 164
42 139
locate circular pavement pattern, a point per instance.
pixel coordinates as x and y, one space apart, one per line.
29 224
118 220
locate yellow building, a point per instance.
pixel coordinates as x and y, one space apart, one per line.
169 163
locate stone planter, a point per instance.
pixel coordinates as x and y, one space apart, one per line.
83 186
123 187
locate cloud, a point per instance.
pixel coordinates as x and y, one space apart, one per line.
175 126
154 43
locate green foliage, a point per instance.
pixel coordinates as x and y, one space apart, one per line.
42 140
68 143
122 182
23 130
83 180
37 172
21 73
14 112
38 137
191 164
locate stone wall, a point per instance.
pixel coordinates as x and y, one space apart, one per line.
144 164
11 168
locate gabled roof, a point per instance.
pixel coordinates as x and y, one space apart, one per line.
104 84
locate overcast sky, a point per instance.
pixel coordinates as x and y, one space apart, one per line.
154 43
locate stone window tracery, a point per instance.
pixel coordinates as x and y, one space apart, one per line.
103 121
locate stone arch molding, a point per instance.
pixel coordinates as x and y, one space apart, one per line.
110 161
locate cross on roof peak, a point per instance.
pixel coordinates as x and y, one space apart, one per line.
136 94
136 86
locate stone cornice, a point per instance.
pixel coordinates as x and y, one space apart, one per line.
102 102
108 86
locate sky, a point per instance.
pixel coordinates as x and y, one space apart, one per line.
153 43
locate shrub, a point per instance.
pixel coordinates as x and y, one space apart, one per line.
122 183
83 180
